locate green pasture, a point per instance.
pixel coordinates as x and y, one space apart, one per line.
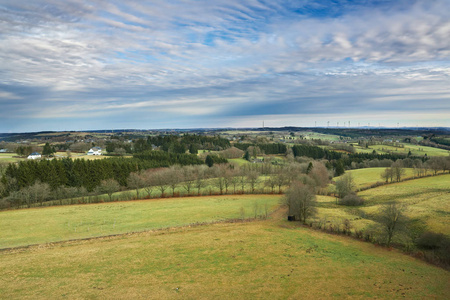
268 259
427 200
6 158
238 161
44 225
416 150
322 136
368 176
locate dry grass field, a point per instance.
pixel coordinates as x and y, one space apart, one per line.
368 176
58 223
269 259
427 200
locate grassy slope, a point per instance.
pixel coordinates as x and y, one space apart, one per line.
42 225
428 199
238 161
264 260
366 177
416 150
8 158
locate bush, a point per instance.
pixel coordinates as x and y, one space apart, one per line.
351 200
436 248
431 240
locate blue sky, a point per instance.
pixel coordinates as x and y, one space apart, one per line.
79 65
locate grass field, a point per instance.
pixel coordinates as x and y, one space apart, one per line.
368 176
259 260
428 200
416 150
81 155
43 225
238 161
8 158
315 135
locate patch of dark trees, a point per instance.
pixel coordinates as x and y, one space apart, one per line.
341 160
88 173
275 148
172 144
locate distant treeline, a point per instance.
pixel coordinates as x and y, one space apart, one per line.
172 144
88 173
441 140
276 148
345 158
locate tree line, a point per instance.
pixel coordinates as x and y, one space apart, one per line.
176 180
87 173
269 148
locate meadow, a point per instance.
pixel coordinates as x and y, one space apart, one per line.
6 158
416 150
61 154
309 135
268 259
368 176
427 201
52 224
164 255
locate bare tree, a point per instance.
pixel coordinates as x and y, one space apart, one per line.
398 170
161 179
149 182
39 191
252 179
387 174
392 219
293 171
71 192
109 186
242 180
345 185
228 178
174 177
234 181
136 182
281 179
219 173
436 164
188 176
270 182
319 173
200 175
18 197
301 201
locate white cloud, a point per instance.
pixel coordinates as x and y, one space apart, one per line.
206 58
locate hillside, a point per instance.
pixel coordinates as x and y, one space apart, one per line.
265 260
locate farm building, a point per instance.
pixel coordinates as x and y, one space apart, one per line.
34 155
95 151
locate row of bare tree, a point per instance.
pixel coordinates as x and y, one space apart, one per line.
186 180
223 178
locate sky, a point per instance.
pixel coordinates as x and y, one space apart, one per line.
86 65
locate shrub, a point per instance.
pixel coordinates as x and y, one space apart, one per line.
431 240
351 200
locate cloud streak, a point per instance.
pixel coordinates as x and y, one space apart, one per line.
192 62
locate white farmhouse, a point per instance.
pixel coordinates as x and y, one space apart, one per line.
95 151
34 155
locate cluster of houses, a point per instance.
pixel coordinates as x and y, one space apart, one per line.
92 151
